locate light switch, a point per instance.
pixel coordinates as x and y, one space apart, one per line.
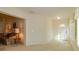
32 30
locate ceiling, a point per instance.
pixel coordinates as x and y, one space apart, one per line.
51 12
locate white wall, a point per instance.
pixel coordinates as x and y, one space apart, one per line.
35 26
50 31
36 30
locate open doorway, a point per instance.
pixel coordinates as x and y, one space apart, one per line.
62 33
11 30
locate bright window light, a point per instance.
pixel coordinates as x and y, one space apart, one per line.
58 37
62 33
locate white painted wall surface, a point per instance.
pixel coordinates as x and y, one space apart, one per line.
36 30
50 33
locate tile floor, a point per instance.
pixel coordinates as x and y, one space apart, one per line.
52 46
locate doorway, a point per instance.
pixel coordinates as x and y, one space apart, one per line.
61 35
11 30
